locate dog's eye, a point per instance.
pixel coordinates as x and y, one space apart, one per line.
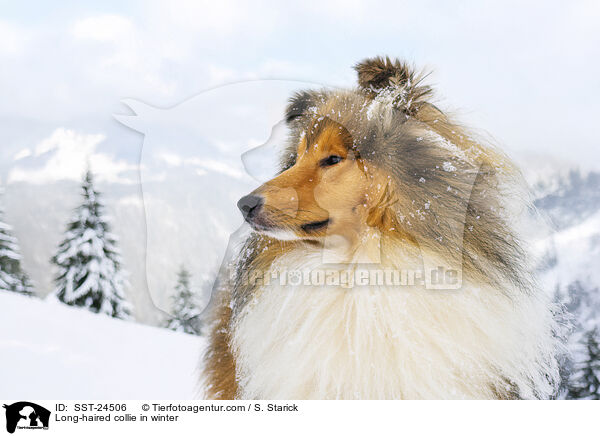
330 160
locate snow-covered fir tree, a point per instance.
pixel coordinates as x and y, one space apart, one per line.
12 276
585 379
185 311
89 262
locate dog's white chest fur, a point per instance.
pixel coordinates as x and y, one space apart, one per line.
310 342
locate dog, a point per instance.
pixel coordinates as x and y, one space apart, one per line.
378 179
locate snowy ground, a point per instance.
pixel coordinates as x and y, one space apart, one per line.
52 351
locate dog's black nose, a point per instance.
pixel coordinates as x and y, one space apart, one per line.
250 205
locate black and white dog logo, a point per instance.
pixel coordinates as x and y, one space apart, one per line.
26 415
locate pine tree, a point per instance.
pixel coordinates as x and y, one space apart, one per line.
585 379
185 311
12 276
89 262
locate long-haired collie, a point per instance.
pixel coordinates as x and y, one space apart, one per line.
385 260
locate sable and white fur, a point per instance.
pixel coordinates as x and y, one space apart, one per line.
449 200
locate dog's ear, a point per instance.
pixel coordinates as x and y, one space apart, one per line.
299 103
403 82
378 73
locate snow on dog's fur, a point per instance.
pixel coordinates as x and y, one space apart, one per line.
383 179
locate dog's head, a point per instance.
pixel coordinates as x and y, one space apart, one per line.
381 155
332 181
324 189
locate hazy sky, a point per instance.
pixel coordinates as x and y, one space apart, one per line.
526 72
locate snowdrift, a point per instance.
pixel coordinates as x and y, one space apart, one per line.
52 351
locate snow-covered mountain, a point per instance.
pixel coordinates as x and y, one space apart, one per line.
571 253
569 199
572 250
